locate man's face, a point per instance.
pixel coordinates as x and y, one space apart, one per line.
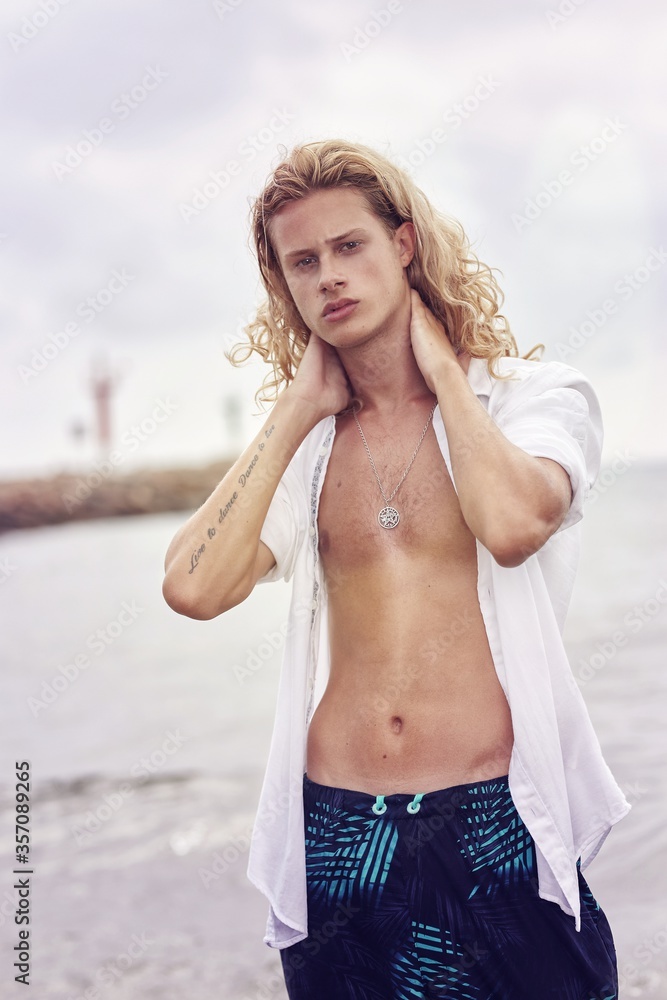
346 273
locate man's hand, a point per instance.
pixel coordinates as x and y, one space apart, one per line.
430 344
321 379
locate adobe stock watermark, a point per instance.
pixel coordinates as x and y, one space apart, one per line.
634 621
247 151
321 936
318 938
580 159
432 651
457 626
114 970
452 119
97 643
88 310
141 771
131 440
634 793
32 24
268 988
623 289
121 109
7 569
374 26
608 477
221 861
238 845
636 973
223 7
272 642
564 10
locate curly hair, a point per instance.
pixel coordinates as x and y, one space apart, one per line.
457 287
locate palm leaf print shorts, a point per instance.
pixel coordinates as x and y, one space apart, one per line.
435 896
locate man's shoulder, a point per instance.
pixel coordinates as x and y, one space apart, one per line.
528 378
527 368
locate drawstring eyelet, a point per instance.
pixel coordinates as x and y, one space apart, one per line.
414 806
379 806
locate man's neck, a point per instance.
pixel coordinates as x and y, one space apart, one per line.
384 374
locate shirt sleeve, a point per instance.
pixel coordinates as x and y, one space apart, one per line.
283 527
556 414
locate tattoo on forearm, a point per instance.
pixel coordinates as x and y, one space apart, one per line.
243 478
195 557
224 511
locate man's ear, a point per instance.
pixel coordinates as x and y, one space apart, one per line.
406 241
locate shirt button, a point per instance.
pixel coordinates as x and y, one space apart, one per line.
324 449
311 531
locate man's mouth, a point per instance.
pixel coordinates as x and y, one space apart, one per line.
339 309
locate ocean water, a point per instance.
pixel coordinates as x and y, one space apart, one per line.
147 755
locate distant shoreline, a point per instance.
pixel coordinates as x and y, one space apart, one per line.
64 497
33 502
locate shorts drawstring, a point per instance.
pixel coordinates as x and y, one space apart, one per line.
380 806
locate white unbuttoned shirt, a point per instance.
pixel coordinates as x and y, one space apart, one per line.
560 784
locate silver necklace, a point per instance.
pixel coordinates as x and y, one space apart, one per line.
389 516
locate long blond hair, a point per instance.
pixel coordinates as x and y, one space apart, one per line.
457 287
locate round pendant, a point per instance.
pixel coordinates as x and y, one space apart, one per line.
388 517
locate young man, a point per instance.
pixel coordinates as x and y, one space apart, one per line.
434 784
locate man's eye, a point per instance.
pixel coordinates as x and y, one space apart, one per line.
352 244
305 262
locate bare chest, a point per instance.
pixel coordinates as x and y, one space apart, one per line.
431 523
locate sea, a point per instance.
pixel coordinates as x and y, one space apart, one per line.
145 735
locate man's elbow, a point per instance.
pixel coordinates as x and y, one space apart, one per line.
196 606
511 548
526 529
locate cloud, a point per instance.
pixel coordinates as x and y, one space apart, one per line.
239 82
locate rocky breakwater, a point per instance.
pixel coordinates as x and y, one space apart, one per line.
30 503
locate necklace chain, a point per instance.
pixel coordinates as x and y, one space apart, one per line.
388 499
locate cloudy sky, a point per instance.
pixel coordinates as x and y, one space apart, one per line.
540 125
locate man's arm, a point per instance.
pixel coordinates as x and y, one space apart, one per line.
511 501
217 557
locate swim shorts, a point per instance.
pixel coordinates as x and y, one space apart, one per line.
436 896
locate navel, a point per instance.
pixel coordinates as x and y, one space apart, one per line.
397 723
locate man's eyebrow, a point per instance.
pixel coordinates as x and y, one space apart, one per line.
333 239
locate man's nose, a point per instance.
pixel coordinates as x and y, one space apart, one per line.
331 275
